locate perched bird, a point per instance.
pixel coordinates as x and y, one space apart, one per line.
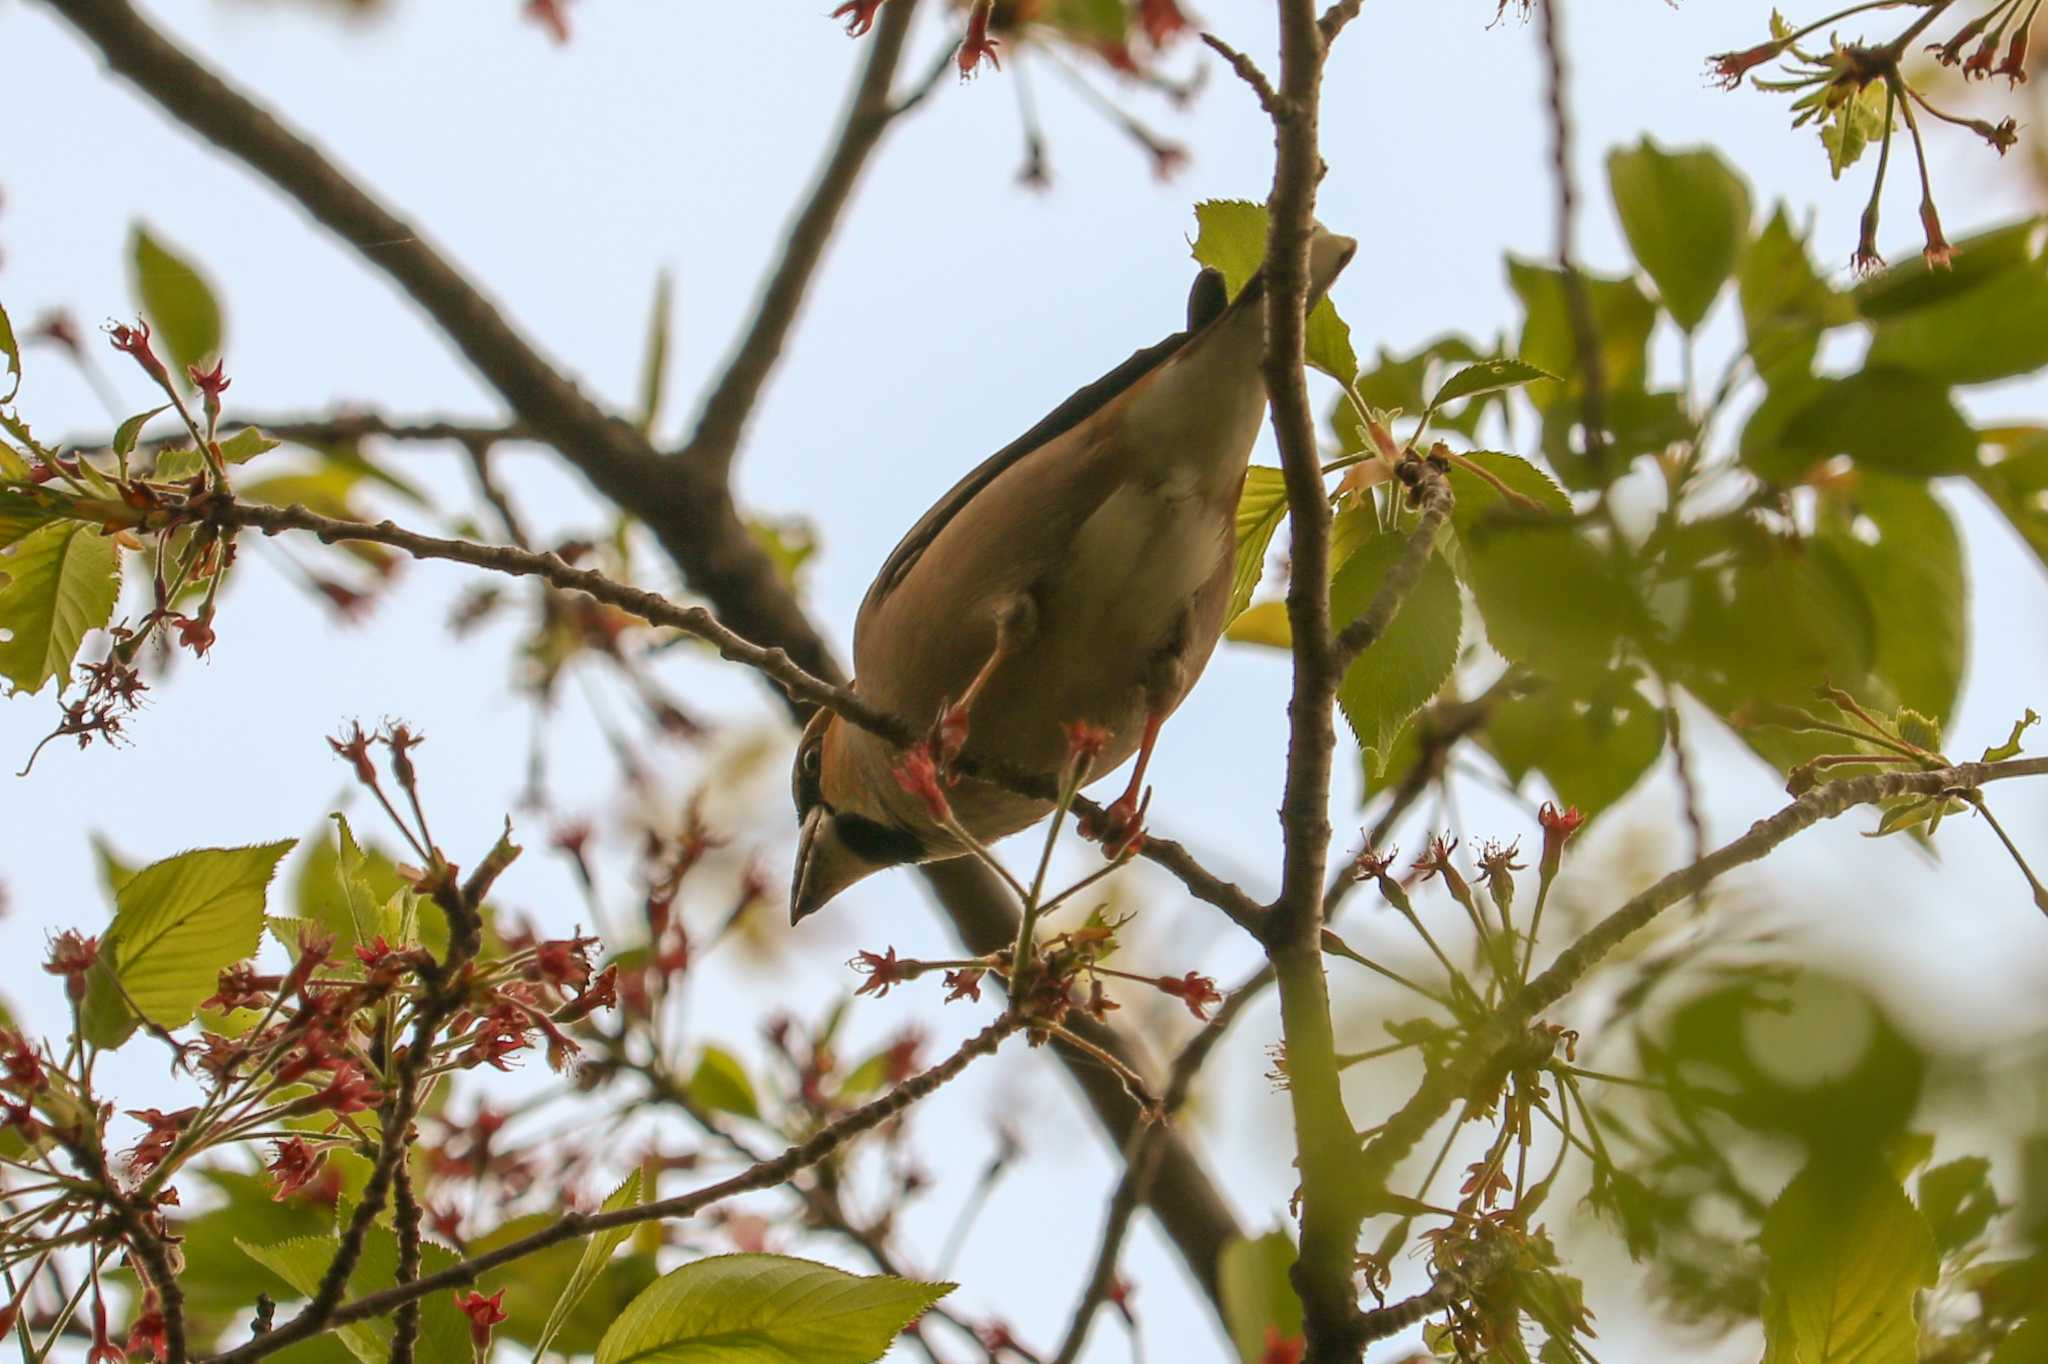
1080 574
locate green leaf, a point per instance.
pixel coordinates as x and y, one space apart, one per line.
2011 747
1551 599
1474 498
1487 376
115 870
60 581
177 924
1257 1293
10 348
1899 543
1727 575
444 1334
720 1084
1845 1255
1592 742
1995 331
1622 316
1958 1201
1786 305
765 1309
1912 283
1887 419
1231 238
128 432
1409 663
1686 216
176 301
1261 507
1265 624
654 368
597 1251
245 445
1850 126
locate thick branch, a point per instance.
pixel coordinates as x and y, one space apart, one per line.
738 389
574 1226
684 503
687 506
1331 1209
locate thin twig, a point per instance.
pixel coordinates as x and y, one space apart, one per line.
576 1225
733 398
1248 71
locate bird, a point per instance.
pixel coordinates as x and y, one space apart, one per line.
1079 576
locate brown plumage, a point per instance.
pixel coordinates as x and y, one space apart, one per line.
1083 571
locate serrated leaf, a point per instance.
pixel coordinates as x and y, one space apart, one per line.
444 1334
1257 1294
597 1251
1231 238
1851 125
1592 742
1261 507
174 298
10 348
720 1084
177 924
1888 419
1914 284
1911 571
245 445
654 365
1474 496
1410 662
1786 305
1686 216
765 1309
1488 376
1845 1254
128 432
56 583
1995 331
1550 598
1622 316
1958 1201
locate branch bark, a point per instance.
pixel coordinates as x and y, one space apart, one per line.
685 502
1330 1206
573 1226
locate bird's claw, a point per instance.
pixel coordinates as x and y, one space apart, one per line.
1120 827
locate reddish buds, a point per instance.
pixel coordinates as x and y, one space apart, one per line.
1558 827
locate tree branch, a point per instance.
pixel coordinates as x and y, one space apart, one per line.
1363 633
733 398
687 506
1484 1048
1331 1208
574 1225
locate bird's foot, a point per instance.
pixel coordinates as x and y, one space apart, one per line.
1120 828
949 733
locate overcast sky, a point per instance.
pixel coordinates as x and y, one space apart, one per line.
954 309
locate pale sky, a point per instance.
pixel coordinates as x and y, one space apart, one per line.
954 309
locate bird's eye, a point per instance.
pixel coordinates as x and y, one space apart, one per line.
810 760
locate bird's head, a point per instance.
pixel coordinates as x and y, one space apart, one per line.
848 831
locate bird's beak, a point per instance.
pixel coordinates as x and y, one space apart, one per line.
824 866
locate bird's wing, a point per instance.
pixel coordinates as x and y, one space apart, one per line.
1207 302
1082 405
